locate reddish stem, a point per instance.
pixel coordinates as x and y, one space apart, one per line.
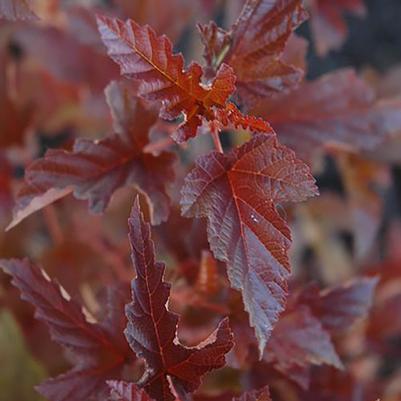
216 140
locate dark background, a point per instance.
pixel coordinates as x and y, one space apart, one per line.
374 40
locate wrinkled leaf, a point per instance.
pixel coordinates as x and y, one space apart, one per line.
244 228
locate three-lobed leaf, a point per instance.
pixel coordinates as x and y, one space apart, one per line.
238 192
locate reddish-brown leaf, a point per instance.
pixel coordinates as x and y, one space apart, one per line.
14 122
338 108
94 170
299 340
123 391
48 45
364 181
341 306
99 351
328 25
262 394
216 42
168 18
34 197
15 116
151 329
149 58
238 193
258 39
17 10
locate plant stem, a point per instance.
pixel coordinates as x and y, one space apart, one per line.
217 142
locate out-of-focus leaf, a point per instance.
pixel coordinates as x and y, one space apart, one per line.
328 25
338 108
339 307
123 391
94 170
99 352
17 10
262 394
299 340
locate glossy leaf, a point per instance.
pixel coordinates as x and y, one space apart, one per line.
151 329
257 42
98 355
244 228
149 58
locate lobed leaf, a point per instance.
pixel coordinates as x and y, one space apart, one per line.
151 329
94 170
238 193
256 44
144 56
98 354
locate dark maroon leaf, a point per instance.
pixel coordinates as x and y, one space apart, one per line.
98 353
151 329
244 228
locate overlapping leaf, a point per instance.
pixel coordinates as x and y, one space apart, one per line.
48 45
94 170
303 336
338 108
341 306
151 329
238 193
364 181
99 351
299 340
145 56
254 47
